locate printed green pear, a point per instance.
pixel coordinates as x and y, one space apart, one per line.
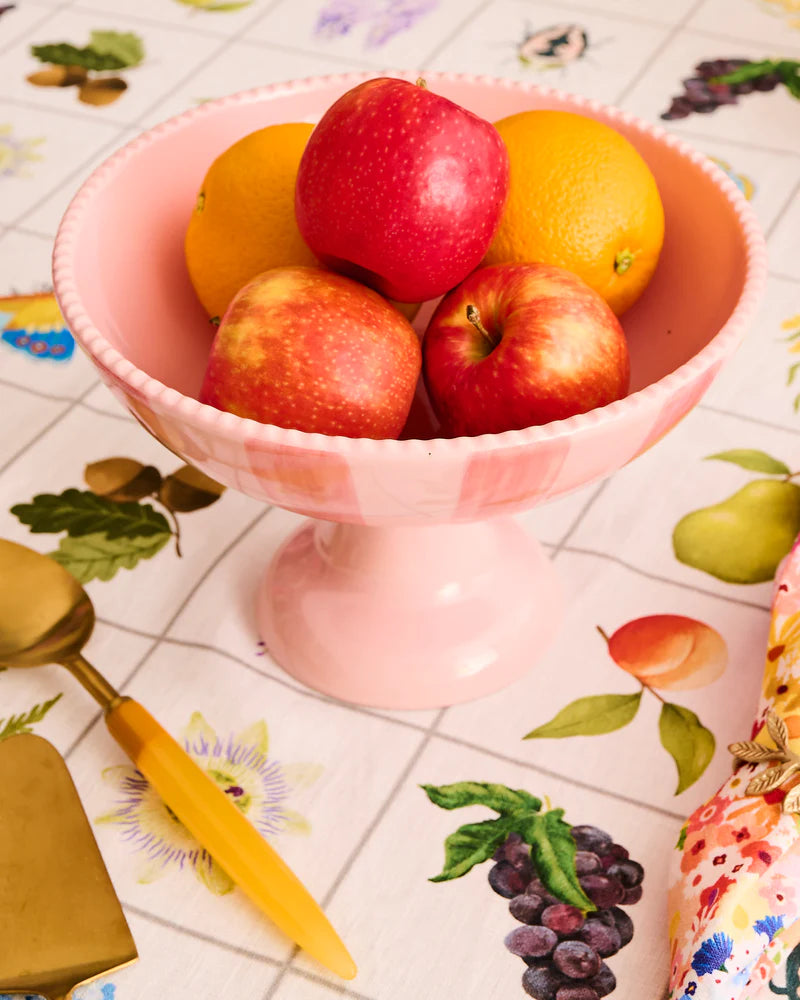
742 539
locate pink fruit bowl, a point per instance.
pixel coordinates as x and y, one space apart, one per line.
411 585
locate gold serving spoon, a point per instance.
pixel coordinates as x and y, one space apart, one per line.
47 617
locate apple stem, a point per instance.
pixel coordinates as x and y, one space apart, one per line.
475 318
421 83
602 632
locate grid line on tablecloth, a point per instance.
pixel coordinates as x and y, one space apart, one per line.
626 16
49 11
610 557
462 24
784 207
720 36
193 29
748 418
35 392
578 519
672 32
173 925
47 427
368 831
187 597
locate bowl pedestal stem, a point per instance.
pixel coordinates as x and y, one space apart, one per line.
409 617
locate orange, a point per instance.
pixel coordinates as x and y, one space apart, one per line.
243 221
580 197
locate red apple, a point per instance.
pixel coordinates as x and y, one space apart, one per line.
401 189
521 344
305 348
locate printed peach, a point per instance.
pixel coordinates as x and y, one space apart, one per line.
671 652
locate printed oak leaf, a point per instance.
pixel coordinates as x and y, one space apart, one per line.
743 538
98 557
669 652
82 513
107 50
552 846
109 527
15 725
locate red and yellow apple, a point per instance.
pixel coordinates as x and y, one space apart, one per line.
401 188
308 349
521 344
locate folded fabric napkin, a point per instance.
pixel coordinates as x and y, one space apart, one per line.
734 899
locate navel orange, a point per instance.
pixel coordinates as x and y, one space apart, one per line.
580 197
243 221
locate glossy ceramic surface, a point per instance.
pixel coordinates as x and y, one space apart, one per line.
121 282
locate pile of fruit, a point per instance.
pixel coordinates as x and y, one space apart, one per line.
312 248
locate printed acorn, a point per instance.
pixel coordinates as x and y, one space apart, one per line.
565 885
67 65
109 527
122 479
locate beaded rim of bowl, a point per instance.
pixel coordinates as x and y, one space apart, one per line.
217 423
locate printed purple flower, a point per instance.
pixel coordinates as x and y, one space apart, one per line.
338 17
258 785
712 954
16 154
397 16
769 925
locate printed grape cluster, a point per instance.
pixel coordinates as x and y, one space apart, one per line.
702 96
564 948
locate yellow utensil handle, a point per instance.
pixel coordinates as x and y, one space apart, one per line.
234 843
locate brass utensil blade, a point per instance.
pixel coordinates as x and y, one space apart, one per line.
61 923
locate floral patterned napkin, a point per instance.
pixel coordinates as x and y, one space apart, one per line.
735 886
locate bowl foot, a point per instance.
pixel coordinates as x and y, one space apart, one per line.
409 617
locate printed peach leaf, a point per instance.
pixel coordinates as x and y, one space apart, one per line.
502 799
687 741
590 716
97 557
753 460
472 844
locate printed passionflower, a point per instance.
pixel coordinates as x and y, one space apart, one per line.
16 154
712 955
257 784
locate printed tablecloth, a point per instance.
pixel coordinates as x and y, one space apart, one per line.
667 638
